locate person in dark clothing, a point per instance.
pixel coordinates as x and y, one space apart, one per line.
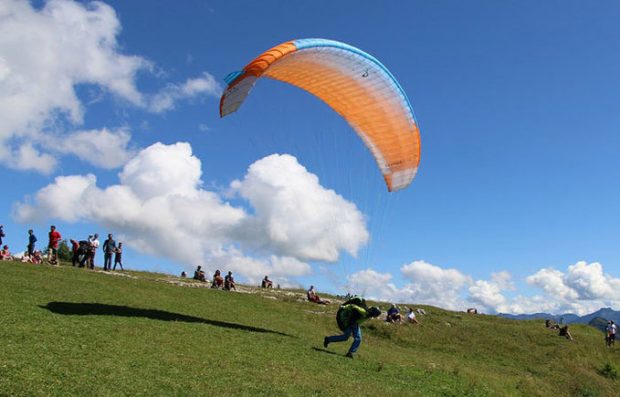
109 247
565 333
85 262
229 282
118 257
199 274
266 283
393 315
32 239
1 234
82 253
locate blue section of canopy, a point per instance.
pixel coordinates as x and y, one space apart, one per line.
232 76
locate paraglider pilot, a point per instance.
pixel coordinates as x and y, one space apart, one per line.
349 318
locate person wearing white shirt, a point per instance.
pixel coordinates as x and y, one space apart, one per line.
611 333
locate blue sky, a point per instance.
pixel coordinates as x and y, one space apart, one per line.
515 205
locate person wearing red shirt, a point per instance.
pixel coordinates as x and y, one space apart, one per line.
54 240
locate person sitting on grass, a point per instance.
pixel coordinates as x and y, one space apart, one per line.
26 258
266 283
550 325
565 333
314 297
199 274
229 282
349 318
411 317
37 258
393 315
218 280
5 254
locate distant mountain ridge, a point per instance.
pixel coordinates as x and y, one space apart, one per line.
606 313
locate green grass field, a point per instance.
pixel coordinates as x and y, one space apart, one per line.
67 331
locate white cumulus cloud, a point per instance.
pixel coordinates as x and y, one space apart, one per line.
583 288
167 97
296 216
46 52
103 148
424 283
487 295
160 206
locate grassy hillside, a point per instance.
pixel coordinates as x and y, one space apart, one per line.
67 331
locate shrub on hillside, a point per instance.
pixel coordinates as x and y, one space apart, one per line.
609 371
64 252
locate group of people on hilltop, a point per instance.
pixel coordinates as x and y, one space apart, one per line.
83 251
31 255
562 330
227 282
219 282
394 316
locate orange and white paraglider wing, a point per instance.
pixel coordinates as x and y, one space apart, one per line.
354 84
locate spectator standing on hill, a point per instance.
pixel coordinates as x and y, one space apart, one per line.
349 318
2 235
229 282
109 247
75 252
52 246
86 258
93 245
118 256
611 333
32 239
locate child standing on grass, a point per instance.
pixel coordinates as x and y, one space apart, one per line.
118 256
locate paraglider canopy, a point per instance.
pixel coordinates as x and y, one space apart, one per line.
354 84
